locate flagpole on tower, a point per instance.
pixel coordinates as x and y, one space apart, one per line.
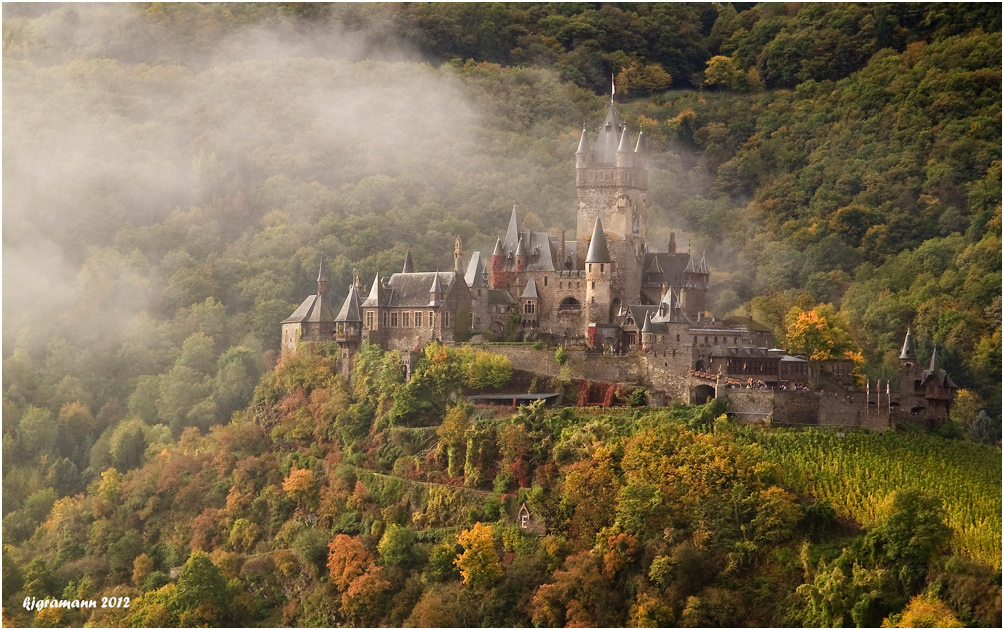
613 89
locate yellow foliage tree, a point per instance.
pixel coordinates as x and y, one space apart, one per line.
479 564
924 611
299 484
818 333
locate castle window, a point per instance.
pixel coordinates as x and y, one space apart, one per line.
601 267
593 285
393 319
406 319
369 320
545 281
432 321
589 268
716 338
678 339
385 319
705 339
418 319
446 319
528 308
695 338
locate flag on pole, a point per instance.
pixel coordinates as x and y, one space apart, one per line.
868 394
613 88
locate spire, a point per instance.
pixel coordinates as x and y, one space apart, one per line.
514 232
598 252
934 361
641 146
374 298
409 267
583 143
436 291
625 145
907 353
703 268
605 148
498 248
322 278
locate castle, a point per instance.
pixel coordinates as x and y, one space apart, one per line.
636 314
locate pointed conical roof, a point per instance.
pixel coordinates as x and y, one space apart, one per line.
409 267
598 252
520 248
498 247
641 146
376 297
531 290
322 273
350 307
624 146
437 286
655 266
703 268
907 353
583 143
647 326
605 149
513 233
475 276
690 265
934 360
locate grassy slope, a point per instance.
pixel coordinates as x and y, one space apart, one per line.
856 472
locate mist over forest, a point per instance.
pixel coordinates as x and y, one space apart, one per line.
172 174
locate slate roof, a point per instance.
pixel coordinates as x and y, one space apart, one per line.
735 321
476 274
313 309
540 250
671 266
742 352
598 252
531 290
378 295
935 372
350 307
412 289
907 353
409 267
500 296
605 148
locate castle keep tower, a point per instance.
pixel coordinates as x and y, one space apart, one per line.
611 181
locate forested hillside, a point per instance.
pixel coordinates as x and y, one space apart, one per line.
173 172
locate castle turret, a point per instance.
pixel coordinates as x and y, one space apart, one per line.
694 290
348 327
647 333
598 276
611 186
520 256
909 373
498 262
